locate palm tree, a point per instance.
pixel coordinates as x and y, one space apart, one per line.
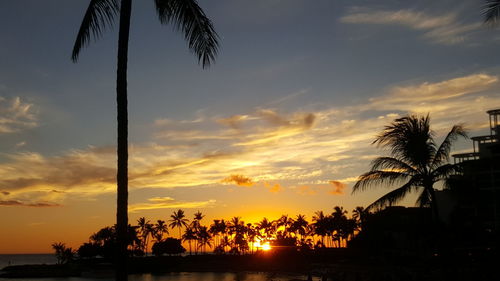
160 229
299 226
189 235
204 238
144 232
178 219
416 161
266 229
198 216
186 16
320 225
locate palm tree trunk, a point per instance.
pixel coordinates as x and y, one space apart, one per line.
122 147
434 205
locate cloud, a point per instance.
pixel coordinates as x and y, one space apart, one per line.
306 190
169 203
28 204
338 188
16 115
20 144
234 121
273 188
441 29
240 180
299 150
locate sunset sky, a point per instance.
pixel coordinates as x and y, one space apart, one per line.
282 123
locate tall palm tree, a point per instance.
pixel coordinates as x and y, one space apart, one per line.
416 162
144 232
320 225
204 238
186 16
178 219
189 235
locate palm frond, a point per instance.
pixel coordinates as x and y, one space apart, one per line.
443 152
392 197
99 14
391 163
188 17
445 171
409 139
491 11
377 178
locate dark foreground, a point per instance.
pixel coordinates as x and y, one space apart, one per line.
334 264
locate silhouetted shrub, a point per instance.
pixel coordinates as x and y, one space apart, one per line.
169 246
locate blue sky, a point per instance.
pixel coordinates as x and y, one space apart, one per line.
281 123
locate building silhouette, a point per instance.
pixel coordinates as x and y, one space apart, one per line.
476 188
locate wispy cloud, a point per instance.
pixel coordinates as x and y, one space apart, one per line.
273 188
28 204
169 203
442 29
16 115
282 152
338 188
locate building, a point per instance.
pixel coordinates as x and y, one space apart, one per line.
477 186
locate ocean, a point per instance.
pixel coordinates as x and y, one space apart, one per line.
5 260
20 259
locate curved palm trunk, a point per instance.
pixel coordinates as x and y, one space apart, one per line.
122 147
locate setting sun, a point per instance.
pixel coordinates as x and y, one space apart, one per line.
266 246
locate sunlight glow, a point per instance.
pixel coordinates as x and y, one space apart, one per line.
266 246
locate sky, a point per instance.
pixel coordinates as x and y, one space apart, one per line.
282 123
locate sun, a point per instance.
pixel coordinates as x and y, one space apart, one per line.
264 246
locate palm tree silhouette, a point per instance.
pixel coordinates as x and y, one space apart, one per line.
299 226
416 161
266 229
189 235
320 225
203 237
144 228
186 16
178 219
160 229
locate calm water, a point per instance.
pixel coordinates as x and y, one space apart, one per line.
183 276
6 260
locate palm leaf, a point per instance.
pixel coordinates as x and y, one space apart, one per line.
491 11
99 14
409 139
198 30
445 171
442 153
391 163
392 197
378 178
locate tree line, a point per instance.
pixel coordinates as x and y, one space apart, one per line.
232 236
